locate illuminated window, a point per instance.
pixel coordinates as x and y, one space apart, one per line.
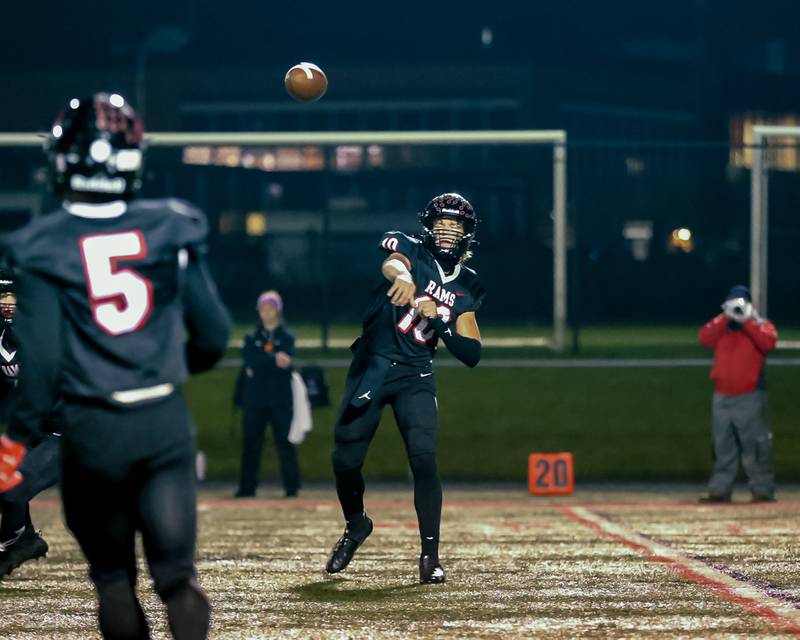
375 156
349 157
782 153
256 223
313 159
634 166
639 233
289 159
228 156
197 155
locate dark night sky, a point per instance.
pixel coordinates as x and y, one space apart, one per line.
49 35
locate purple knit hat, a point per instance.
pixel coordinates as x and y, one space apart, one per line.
272 297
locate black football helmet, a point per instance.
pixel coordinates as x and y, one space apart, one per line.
94 150
449 244
8 298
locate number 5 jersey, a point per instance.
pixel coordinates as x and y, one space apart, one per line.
401 334
128 288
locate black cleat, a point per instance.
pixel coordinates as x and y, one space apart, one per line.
343 550
430 571
29 546
715 498
758 498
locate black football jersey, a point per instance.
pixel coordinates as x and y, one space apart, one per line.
118 280
400 333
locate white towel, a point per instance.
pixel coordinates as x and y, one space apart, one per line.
301 418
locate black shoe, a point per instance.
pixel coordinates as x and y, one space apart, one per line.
292 494
244 494
715 498
758 498
343 550
29 546
430 570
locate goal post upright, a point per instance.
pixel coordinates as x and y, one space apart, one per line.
555 137
759 210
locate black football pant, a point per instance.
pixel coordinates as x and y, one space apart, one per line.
41 469
254 423
126 471
411 392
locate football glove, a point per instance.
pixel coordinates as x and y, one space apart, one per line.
11 455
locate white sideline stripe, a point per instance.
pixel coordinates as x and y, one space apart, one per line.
503 343
735 587
344 343
544 363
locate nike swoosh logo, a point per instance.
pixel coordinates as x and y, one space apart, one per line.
365 396
425 375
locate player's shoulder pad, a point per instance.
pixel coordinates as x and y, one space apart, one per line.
473 283
31 247
188 223
399 242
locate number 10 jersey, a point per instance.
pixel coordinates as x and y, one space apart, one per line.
401 334
118 271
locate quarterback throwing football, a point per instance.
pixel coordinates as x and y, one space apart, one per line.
426 294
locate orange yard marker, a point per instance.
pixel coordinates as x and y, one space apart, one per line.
550 474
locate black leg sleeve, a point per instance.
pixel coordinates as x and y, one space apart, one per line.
427 501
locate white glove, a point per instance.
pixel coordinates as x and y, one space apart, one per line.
738 309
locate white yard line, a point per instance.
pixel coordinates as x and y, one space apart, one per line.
783 615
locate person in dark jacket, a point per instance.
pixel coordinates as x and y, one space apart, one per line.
741 340
264 393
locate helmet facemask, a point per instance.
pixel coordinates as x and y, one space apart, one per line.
447 233
8 306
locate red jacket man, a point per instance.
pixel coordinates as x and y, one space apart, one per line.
741 340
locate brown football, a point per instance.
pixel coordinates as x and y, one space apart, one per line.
306 82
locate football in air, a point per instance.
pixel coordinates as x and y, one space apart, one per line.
306 82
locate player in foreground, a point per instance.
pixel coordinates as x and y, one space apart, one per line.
108 289
19 540
426 294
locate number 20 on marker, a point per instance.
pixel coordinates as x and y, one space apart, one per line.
550 474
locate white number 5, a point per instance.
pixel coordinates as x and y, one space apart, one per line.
121 298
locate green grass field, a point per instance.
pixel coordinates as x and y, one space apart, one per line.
620 423
638 564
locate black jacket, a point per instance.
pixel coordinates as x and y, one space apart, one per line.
261 382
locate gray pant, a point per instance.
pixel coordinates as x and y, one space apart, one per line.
739 428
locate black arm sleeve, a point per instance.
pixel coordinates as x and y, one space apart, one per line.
468 350
207 320
38 328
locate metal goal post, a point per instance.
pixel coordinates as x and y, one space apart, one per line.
556 138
